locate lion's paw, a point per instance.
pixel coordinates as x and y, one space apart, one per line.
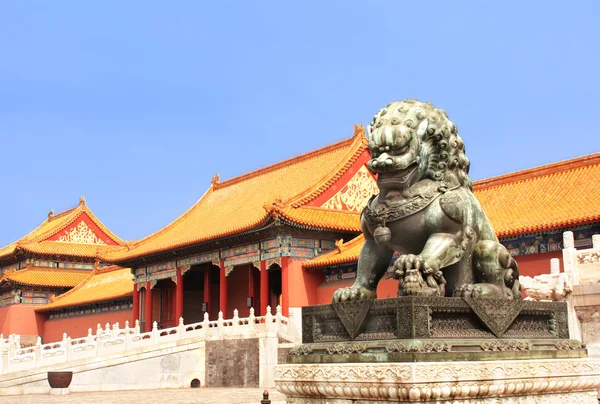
406 262
353 293
483 291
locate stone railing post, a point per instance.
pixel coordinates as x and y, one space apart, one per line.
155 334
278 317
137 327
220 324
90 337
181 328
38 351
570 257
68 350
115 330
205 325
236 322
99 338
554 266
251 320
268 319
596 241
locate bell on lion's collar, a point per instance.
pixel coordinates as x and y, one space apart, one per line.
383 235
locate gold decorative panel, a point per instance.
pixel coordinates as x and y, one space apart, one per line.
81 234
355 194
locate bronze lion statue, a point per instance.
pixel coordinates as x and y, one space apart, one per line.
426 211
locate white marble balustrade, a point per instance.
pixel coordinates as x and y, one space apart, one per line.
110 340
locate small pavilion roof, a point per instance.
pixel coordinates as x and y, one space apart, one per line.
553 196
51 237
45 277
100 285
251 200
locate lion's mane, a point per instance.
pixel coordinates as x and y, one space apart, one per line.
442 149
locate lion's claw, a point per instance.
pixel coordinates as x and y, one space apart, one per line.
407 262
353 293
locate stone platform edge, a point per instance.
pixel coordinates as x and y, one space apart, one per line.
543 381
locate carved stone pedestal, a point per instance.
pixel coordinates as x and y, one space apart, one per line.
518 381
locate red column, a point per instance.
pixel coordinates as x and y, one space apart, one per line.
223 290
285 296
148 308
136 303
207 269
179 296
251 284
264 288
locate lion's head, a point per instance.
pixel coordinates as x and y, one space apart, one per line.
410 141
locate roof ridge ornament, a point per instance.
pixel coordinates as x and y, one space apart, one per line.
82 201
359 130
339 244
51 214
215 180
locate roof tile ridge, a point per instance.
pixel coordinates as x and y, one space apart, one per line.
26 237
209 237
101 225
137 243
283 163
73 215
76 288
61 214
322 209
356 149
538 172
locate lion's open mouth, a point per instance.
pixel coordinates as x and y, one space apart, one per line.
400 177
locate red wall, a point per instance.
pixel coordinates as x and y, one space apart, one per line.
303 284
77 327
537 264
21 319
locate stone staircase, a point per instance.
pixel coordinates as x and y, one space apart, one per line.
123 358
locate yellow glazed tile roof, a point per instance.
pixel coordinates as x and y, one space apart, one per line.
343 254
248 201
323 218
50 277
101 285
34 241
556 195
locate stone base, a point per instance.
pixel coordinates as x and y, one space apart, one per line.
59 392
533 381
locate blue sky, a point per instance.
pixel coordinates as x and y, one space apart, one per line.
136 105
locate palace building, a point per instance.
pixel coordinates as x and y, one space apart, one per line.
61 253
285 235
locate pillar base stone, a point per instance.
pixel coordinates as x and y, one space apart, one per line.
532 381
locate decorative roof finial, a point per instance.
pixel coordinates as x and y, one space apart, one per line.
339 244
81 200
215 179
51 213
359 130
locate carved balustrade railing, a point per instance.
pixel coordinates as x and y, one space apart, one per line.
582 265
111 340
